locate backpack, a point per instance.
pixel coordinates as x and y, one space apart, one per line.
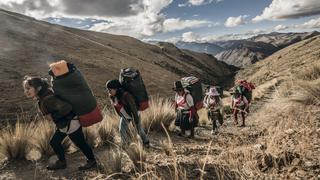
72 87
193 85
245 88
132 82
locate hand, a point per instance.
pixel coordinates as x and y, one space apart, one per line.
190 120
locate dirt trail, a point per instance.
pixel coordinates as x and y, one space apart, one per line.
188 151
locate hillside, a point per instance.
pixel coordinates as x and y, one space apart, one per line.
285 63
28 46
288 82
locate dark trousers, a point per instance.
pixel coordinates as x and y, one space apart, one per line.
242 112
76 137
215 116
182 120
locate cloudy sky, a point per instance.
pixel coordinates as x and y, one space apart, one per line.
172 20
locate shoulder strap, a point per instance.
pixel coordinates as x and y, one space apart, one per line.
185 95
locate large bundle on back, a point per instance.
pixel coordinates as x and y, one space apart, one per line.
69 85
245 88
131 81
193 85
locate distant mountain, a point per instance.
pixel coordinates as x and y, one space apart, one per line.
209 48
282 40
242 53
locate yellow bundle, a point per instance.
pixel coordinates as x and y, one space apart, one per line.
59 68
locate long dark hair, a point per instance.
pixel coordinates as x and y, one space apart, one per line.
40 84
115 84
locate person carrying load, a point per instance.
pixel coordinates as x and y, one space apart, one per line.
213 103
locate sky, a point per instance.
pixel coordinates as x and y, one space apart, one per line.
176 20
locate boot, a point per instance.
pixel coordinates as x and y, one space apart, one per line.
243 123
90 164
191 133
60 164
182 132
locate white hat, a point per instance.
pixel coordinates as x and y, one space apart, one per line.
213 92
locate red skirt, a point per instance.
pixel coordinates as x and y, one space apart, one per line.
91 118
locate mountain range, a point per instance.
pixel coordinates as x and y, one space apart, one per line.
242 53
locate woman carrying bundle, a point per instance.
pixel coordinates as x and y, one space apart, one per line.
67 124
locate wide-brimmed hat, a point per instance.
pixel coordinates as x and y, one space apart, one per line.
177 86
213 92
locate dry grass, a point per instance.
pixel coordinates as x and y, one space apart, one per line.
107 129
161 110
112 161
263 90
167 147
15 141
307 92
309 73
306 86
44 130
137 155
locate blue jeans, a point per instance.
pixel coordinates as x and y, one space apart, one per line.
125 134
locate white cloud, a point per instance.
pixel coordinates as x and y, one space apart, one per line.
236 21
311 24
57 20
73 8
190 37
280 27
137 18
198 2
286 9
182 5
193 37
178 24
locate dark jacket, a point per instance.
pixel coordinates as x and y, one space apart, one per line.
60 111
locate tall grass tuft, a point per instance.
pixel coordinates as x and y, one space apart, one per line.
15 141
307 93
161 110
137 155
309 73
44 130
107 129
114 161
